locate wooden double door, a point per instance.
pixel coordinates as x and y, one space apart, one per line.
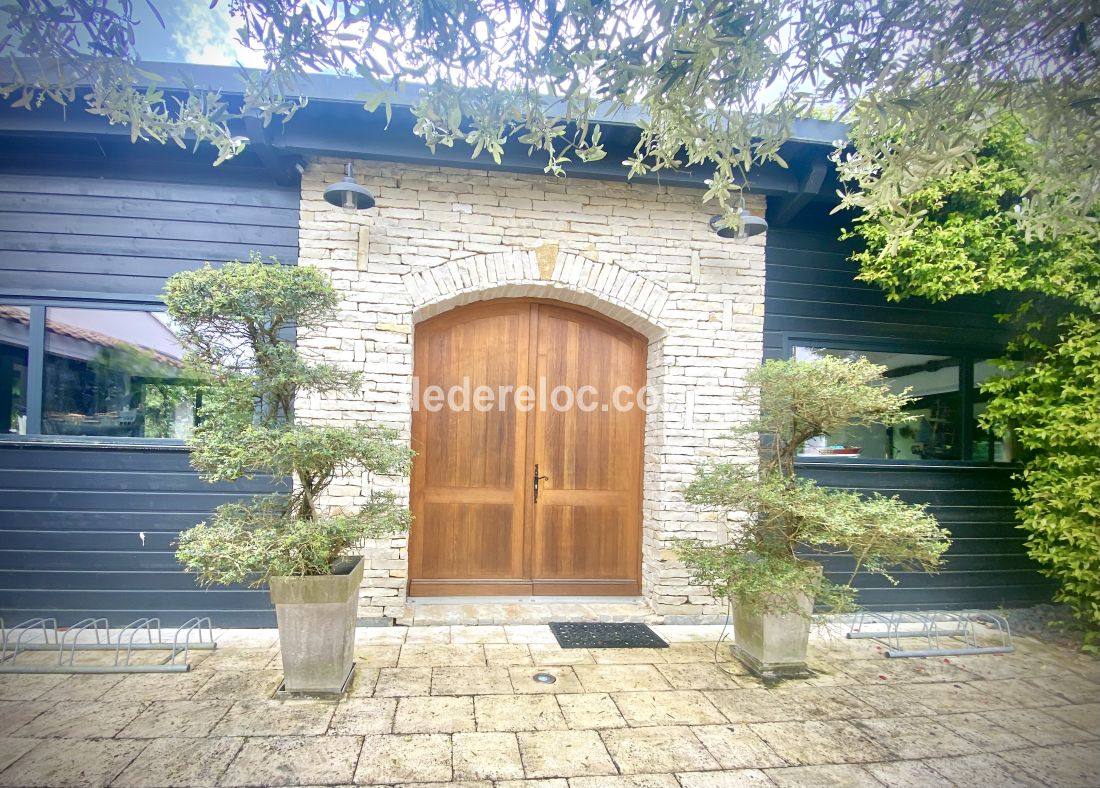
528 435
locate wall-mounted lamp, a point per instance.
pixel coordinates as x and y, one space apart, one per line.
349 194
750 225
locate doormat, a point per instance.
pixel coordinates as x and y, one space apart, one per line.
577 635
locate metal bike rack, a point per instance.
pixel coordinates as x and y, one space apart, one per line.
143 634
945 632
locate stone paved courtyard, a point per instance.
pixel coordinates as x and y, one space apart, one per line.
457 705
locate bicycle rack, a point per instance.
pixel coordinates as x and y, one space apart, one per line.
946 633
143 634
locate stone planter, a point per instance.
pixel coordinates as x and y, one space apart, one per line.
773 645
317 628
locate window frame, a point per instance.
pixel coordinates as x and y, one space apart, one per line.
968 356
36 369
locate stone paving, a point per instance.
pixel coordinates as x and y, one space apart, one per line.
457 705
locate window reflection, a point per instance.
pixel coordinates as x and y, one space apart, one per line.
936 405
15 332
989 445
115 373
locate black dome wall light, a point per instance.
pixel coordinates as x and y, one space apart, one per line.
750 225
349 194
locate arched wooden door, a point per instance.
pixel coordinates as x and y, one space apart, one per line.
492 403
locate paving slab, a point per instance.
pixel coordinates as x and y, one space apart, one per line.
626 781
699 676
432 655
59 763
363 682
403 682
176 719
737 747
847 776
1084 716
788 703
593 710
564 754
671 707
1061 766
294 760
446 714
817 742
982 730
360 716
486 756
621 718
1038 727
237 685
88 686
629 656
276 718
742 778
518 713
565 680
157 686
243 659
916 737
908 774
620 678
404 758
15 714
476 634
180 763
377 656
27 686
553 654
985 770
658 749
81 720
507 654
12 749
471 681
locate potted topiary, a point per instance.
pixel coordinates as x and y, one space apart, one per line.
237 323
777 515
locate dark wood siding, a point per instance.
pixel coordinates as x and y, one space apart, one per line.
70 544
986 566
123 238
811 290
105 222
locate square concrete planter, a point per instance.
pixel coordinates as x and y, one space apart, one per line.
317 628
773 644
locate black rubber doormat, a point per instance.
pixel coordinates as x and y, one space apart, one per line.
577 635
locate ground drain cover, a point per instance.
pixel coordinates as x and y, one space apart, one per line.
545 678
578 635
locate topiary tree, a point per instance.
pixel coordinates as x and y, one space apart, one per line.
237 324
758 566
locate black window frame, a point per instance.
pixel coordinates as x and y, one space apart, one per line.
36 367
967 355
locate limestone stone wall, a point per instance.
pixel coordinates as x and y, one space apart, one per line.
642 254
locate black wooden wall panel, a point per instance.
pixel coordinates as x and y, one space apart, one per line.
123 238
70 519
811 289
108 222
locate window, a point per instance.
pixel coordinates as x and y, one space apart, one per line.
111 373
989 445
945 405
15 324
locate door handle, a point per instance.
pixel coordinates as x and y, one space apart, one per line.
536 481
